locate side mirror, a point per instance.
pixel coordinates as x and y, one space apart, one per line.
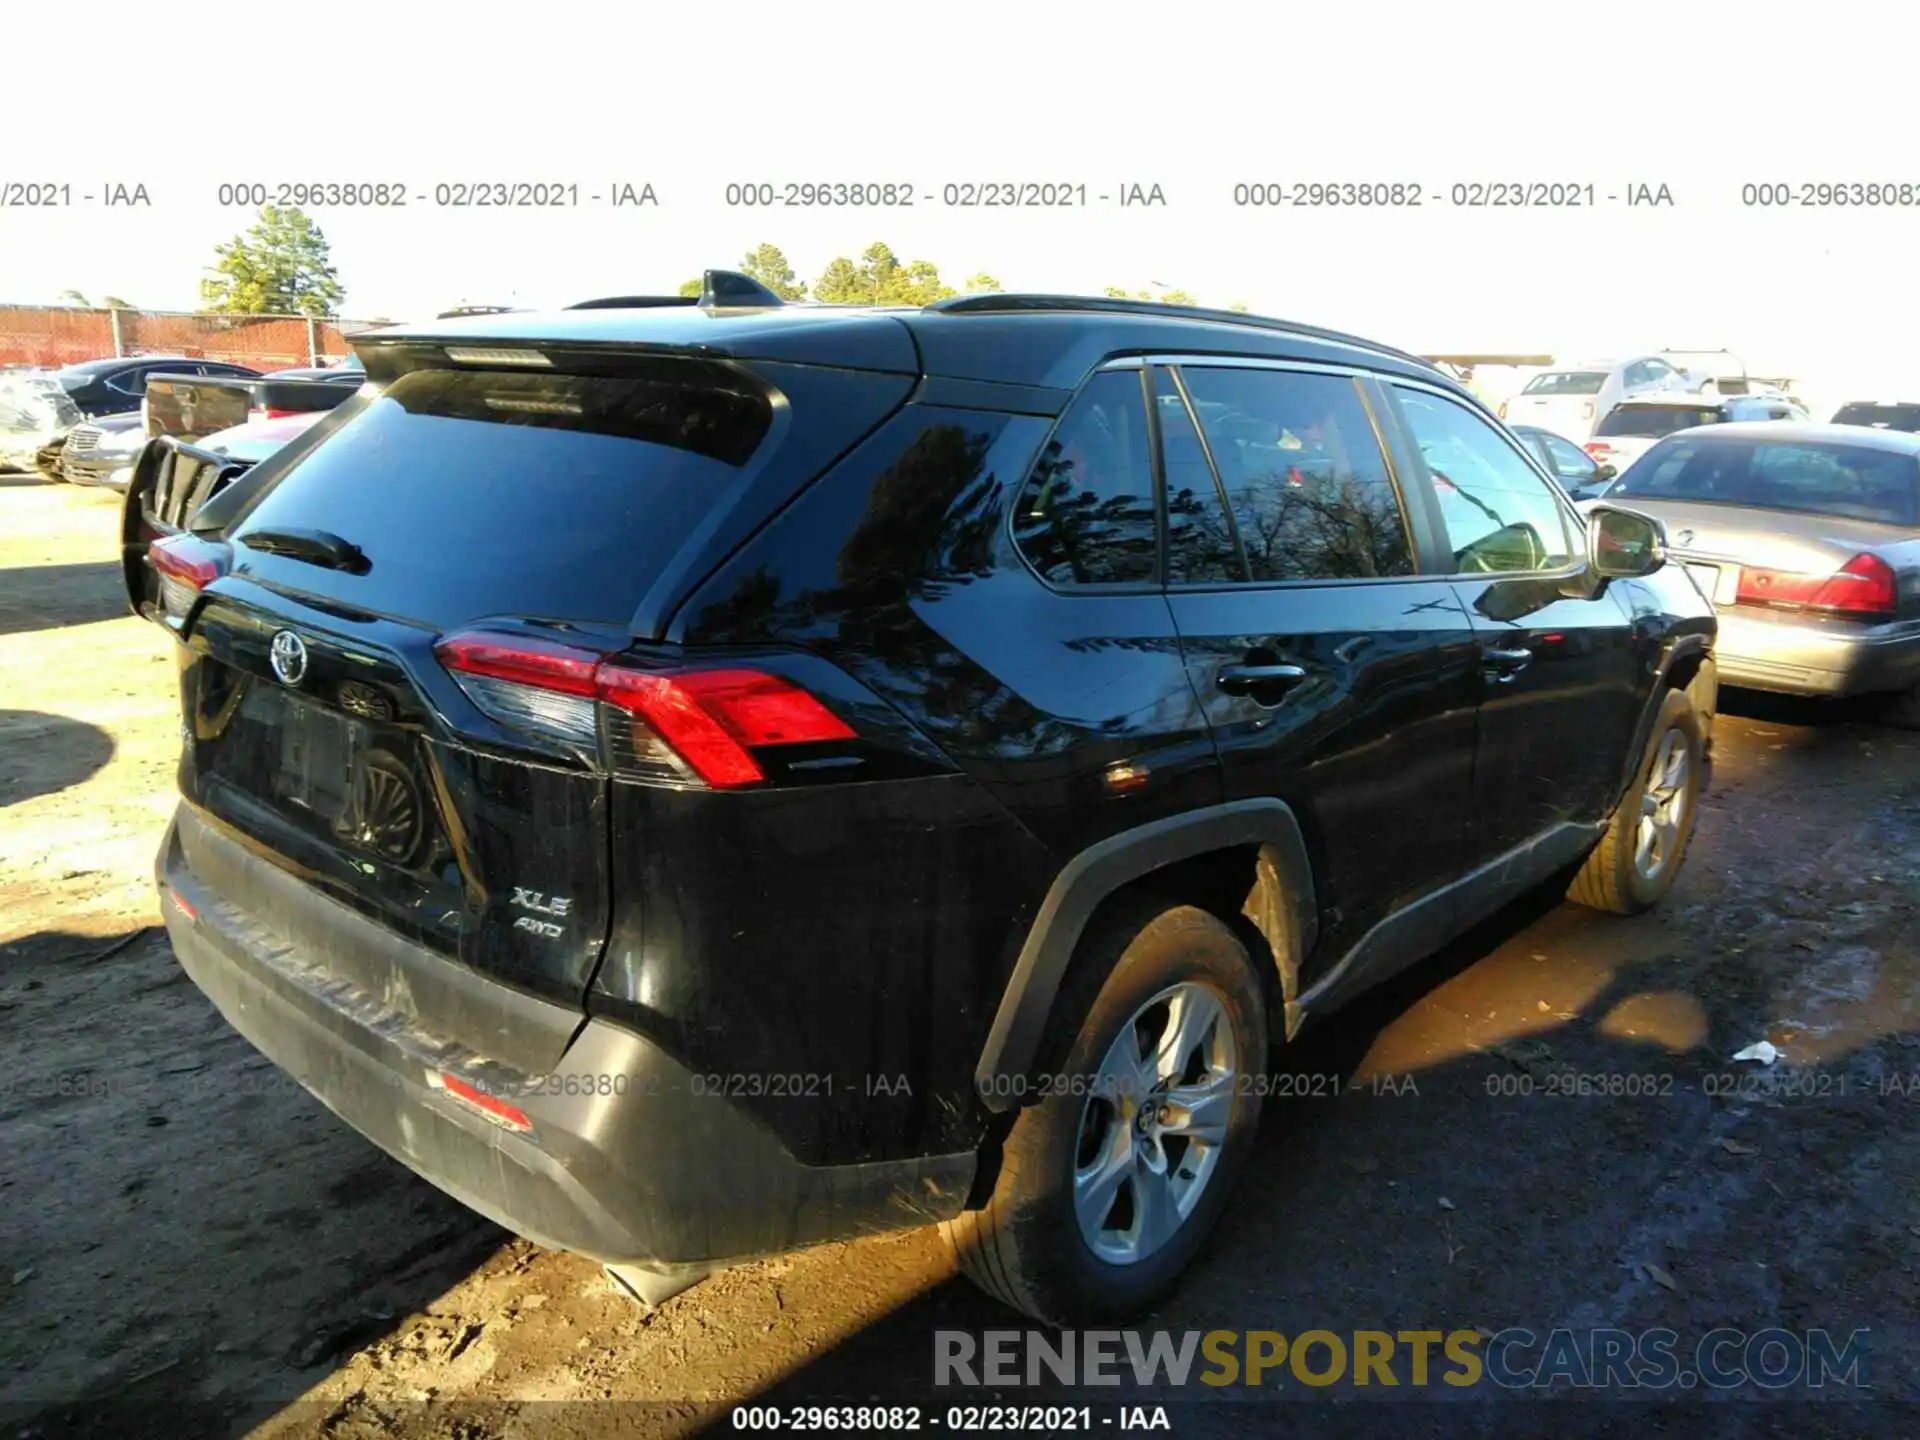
1605 472
1625 544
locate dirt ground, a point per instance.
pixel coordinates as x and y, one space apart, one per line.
192 1241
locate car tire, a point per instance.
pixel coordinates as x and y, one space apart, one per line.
1096 1212
1635 863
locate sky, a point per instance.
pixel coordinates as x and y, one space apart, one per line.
1196 99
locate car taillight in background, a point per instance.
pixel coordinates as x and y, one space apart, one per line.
1599 450
267 412
1864 586
692 726
186 565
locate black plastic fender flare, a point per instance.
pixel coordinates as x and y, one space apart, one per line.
1103 868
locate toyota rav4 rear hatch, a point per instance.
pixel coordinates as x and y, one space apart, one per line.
382 675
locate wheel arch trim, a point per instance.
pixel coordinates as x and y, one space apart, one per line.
1102 869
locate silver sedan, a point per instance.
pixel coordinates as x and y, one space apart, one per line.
1806 538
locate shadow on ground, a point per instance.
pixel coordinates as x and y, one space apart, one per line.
42 754
48 597
188 1232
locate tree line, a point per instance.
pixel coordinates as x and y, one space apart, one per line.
880 277
283 265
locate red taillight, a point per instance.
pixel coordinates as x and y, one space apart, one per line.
511 1116
681 725
267 412
1599 449
563 668
715 719
1865 585
180 904
186 565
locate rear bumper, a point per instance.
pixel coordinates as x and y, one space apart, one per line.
630 1159
1798 656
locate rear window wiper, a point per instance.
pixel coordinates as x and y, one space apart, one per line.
316 547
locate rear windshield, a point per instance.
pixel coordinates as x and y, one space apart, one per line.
1885 417
1567 382
1837 479
1650 422
477 493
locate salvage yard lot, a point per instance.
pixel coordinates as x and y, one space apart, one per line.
1530 1130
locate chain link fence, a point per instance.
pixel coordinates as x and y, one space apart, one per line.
51 335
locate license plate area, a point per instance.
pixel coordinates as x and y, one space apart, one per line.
348 782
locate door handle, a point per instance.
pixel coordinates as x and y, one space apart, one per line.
1260 681
1500 663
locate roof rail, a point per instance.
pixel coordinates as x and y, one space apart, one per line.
991 304
719 289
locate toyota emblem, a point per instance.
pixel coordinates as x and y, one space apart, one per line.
289 656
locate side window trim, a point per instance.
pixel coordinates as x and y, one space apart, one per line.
1213 469
1382 418
1576 530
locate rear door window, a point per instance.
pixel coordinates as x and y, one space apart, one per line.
1840 480
1651 422
1568 460
1086 513
1567 382
1305 478
549 496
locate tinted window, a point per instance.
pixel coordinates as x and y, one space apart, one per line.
1085 515
1200 544
1827 479
1568 460
1653 421
1305 479
1500 514
543 495
1886 417
1567 382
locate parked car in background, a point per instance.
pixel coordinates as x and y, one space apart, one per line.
1579 474
1634 426
101 452
1807 540
1880 414
188 408
843 694
1572 401
39 408
348 372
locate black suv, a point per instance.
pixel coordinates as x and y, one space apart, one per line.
698 779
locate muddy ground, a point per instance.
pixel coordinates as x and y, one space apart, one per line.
186 1236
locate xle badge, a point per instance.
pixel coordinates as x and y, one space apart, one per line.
540 904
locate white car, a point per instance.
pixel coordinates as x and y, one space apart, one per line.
1636 425
1573 400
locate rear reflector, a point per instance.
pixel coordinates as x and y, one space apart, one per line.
498 1111
697 726
180 904
1865 585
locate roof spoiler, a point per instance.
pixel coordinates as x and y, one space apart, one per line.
719 290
